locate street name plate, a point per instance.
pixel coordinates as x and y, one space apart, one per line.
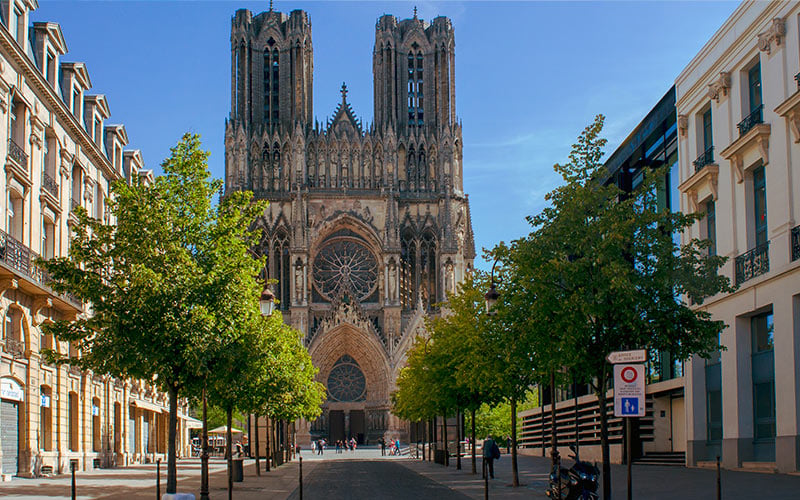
637 356
629 390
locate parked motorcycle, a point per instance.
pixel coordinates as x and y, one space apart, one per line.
579 482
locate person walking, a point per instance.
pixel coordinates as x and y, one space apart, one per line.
382 441
508 445
491 452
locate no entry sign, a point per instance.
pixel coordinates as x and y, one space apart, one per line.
629 390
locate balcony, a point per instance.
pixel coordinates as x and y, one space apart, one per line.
707 158
753 119
753 263
17 153
49 184
795 243
797 79
22 259
15 348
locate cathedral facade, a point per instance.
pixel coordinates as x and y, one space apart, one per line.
368 225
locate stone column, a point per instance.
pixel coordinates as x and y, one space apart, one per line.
696 411
737 394
786 316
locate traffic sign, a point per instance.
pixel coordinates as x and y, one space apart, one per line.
636 356
629 390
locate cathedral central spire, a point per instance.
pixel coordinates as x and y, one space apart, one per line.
344 92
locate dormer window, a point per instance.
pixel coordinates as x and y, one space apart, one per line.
98 130
18 25
50 68
76 102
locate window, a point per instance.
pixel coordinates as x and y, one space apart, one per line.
278 268
707 130
77 182
763 364
418 264
16 215
76 101
50 72
95 424
754 87
19 26
17 130
271 84
415 90
98 130
760 205
99 203
48 239
46 419
711 226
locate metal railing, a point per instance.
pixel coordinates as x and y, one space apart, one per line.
15 347
795 243
23 260
17 153
753 119
704 159
797 79
753 263
49 184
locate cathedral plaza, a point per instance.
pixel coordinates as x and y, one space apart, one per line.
454 250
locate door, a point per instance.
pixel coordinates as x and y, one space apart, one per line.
146 435
336 418
357 430
678 424
132 433
9 435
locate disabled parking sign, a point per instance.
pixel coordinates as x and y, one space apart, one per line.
629 391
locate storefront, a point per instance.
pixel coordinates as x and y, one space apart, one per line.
11 396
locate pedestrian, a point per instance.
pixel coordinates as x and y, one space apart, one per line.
382 441
491 452
397 447
320 445
508 445
338 446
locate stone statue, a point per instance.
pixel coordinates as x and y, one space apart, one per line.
391 291
298 283
449 277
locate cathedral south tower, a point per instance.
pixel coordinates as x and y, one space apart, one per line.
368 224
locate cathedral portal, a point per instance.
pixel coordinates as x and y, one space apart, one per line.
368 226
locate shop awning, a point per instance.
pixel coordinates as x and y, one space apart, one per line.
223 429
146 405
192 423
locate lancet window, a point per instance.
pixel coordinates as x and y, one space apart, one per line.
278 267
418 270
415 90
271 84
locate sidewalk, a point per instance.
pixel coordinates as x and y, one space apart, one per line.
649 481
139 482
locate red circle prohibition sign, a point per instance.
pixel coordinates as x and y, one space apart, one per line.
628 374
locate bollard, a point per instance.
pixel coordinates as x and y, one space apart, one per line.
158 479
301 478
719 482
485 481
72 465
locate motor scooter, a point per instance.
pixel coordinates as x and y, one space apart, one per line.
579 482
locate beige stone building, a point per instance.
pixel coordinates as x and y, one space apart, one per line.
368 225
58 153
738 105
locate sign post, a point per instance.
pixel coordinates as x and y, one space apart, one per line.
629 392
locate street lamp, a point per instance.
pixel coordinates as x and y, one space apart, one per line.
492 295
267 301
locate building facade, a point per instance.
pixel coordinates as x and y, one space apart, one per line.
58 153
367 226
738 104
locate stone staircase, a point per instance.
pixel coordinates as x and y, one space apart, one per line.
662 458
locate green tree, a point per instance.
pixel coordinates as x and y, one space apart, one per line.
142 281
601 269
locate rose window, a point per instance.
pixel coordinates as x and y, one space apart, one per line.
345 265
346 381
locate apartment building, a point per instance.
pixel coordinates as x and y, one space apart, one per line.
738 105
59 152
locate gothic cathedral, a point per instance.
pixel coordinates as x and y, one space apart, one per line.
367 226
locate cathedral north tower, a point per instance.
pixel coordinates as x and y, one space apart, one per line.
368 226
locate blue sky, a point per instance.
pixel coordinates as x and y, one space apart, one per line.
529 76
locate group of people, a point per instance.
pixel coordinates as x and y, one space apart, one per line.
318 446
346 444
392 444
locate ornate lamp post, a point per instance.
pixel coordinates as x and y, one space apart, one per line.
492 295
267 304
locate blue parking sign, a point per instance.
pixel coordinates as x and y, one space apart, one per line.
630 406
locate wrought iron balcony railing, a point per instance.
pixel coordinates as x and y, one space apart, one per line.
753 119
797 79
49 184
704 159
795 243
17 153
753 263
75 204
75 370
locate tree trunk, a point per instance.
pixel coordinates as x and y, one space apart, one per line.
268 450
515 481
204 453
474 443
258 460
229 452
444 438
172 464
601 399
249 439
431 439
458 440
